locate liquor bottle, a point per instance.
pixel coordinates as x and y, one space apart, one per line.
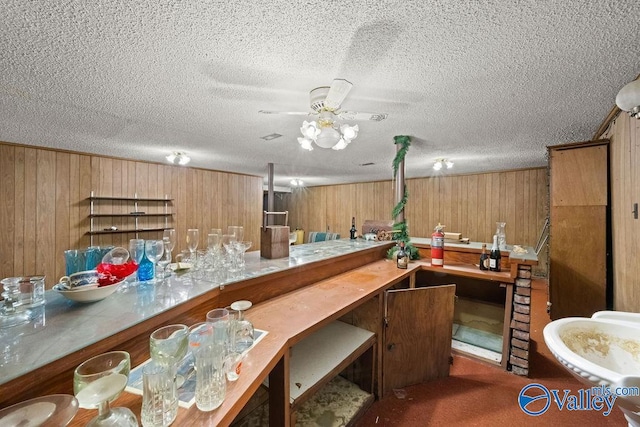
352 232
494 256
484 258
402 258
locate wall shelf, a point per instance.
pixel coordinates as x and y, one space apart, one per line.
135 213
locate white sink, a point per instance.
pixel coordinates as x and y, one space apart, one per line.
603 350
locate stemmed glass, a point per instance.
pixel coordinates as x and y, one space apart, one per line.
136 253
154 249
100 380
244 332
229 243
192 242
9 315
165 260
171 235
168 346
242 247
237 230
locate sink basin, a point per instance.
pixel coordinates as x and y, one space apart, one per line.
603 350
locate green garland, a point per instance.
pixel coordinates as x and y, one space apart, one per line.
400 230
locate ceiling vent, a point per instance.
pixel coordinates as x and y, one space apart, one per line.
270 137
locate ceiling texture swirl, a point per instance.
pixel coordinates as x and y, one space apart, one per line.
487 85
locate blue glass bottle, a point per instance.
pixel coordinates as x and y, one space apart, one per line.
146 271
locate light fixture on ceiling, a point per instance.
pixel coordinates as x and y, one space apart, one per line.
297 182
326 133
178 158
439 163
628 99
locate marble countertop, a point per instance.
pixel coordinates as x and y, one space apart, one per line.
61 327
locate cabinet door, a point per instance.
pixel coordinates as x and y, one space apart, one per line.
417 337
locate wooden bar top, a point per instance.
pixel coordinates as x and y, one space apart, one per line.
288 319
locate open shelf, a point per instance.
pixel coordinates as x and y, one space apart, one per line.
322 355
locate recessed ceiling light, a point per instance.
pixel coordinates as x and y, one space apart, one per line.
270 137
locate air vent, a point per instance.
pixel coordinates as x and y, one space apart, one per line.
270 137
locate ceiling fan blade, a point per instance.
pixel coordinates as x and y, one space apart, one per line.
291 113
355 115
337 93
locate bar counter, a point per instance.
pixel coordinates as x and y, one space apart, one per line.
39 358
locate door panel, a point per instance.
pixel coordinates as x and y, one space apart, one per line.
578 256
417 339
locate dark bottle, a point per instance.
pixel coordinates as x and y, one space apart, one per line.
353 231
402 258
484 258
494 256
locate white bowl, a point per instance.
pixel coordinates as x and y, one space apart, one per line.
89 294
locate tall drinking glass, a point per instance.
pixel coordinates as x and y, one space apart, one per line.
168 346
192 242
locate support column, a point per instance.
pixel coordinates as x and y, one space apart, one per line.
399 190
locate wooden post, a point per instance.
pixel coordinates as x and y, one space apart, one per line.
399 186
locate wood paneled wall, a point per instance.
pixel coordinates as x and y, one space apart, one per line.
624 134
44 207
469 204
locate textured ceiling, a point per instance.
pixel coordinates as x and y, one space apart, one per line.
486 84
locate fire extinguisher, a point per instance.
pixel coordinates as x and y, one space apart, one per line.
437 246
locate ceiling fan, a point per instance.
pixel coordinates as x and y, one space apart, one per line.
325 103
328 99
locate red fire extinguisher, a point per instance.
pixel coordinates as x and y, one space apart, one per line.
437 246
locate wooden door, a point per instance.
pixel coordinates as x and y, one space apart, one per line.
417 337
579 255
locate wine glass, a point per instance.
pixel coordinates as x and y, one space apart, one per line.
165 259
153 249
192 242
237 230
228 241
244 332
9 315
242 247
171 235
168 346
100 380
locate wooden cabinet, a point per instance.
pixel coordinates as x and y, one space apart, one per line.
128 213
417 337
580 229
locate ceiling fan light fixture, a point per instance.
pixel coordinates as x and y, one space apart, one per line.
305 143
628 99
440 163
178 158
349 132
341 145
310 129
328 137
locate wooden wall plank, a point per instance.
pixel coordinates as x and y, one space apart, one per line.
30 210
45 213
19 218
7 209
